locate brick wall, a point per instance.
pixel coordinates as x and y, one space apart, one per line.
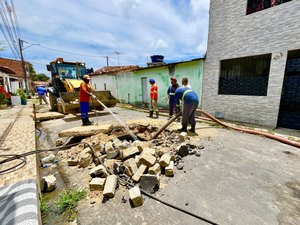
234 34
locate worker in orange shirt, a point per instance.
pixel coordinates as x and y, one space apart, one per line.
84 98
153 98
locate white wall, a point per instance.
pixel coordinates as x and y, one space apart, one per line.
99 83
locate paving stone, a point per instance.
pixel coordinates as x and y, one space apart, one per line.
130 152
156 169
97 184
110 186
147 159
150 151
165 159
136 196
182 136
99 171
169 170
141 170
131 165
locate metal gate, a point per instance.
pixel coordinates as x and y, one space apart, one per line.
289 112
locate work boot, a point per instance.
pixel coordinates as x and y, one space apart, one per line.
170 117
193 126
157 114
83 121
151 114
183 129
88 122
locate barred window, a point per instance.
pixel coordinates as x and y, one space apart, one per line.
245 76
258 5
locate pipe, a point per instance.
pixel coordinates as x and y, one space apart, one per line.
166 125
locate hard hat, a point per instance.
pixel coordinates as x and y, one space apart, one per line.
86 77
151 81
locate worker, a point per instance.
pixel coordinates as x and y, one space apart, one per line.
42 93
84 98
190 103
153 98
171 97
184 82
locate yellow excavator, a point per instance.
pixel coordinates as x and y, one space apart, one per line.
64 91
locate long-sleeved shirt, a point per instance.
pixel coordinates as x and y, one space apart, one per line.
85 90
153 92
185 95
171 93
41 90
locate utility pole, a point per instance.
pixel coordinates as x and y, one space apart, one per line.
106 60
118 53
23 65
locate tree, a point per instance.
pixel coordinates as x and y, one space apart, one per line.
40 77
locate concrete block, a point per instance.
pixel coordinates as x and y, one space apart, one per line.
169 170
147 159
110 151
149 150
149 183
141 170
97 184
182 136
110 186
156 169
165 159
136 196
137 160
48 183
162 150
84 159
72 161
130 152
131 165
98 171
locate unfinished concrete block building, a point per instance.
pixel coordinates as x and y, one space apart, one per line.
252 69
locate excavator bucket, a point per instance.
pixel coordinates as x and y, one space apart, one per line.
69 102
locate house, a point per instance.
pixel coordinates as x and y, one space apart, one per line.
12 76
131 84
252 68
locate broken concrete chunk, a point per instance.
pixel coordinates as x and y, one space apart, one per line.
110 186
48 183
131 165
137 160
182 136
138 145
125 145
169 170
99 171
130 152
180 166
85 159
72 161
165 159
149 150
147 159
183 150
59 142
84 131
109 163
136 196
141 170
117 143
149 183
48 116
162 150
48 159
110 151
156 169
97 184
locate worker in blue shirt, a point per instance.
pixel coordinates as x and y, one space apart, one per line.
190 103
42 93
171 96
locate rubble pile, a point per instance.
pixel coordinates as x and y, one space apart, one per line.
140 163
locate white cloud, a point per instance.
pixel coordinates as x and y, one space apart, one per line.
202 47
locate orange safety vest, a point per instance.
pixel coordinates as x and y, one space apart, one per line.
153 92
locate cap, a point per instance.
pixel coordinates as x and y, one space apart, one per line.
86 77
174 78
151 80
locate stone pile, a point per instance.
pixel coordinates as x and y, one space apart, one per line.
142 163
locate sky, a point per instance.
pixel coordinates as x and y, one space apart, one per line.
127 31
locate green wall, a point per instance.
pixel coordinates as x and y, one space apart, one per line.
129 85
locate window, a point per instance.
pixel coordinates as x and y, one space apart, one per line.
258 5
245 76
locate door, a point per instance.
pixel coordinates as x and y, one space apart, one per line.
289 111
144 90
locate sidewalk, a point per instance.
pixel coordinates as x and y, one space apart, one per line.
18 188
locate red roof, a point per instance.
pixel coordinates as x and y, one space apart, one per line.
115 69
6 70
13 65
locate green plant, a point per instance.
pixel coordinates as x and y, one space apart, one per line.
44 207
21 93
3 99
68 202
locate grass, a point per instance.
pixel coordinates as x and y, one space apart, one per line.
44 207
294 139
68 202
